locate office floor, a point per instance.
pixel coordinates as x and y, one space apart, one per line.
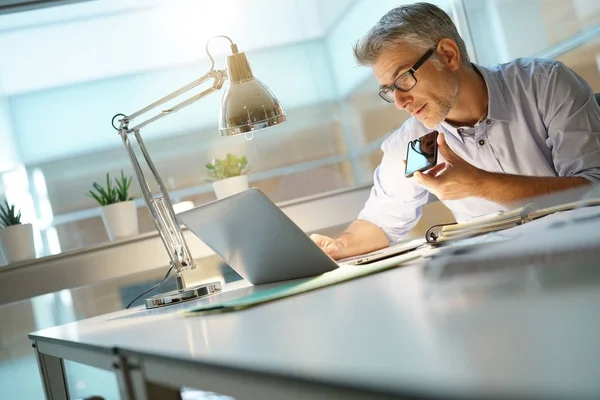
20 379
19 375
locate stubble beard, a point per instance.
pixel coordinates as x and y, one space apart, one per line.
444 103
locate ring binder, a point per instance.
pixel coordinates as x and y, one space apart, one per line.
499 221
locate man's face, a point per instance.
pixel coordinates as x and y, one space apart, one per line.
432 97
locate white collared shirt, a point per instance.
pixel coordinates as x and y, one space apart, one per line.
542 120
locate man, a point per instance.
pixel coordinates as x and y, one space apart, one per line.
507 133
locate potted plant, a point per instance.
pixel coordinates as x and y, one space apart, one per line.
16 238
228 175
119 212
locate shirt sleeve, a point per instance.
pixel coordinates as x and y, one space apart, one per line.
572 118
395 201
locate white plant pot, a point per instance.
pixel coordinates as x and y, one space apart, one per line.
17 243
120 220
228 186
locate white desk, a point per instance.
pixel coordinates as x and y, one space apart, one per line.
396 333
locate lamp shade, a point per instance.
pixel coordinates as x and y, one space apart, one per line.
247 104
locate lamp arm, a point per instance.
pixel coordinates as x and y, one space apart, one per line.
218 75
160 206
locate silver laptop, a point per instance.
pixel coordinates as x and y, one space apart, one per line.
256 238
394 249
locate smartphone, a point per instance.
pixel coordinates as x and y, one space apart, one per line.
421 154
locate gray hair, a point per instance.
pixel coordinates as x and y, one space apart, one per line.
421 25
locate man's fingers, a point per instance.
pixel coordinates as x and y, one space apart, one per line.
436 170
334 249
328 245
446 151
320 240
426 180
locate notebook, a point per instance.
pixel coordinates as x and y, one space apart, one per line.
499 221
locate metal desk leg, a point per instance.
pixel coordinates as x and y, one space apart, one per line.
134 385
52 371
123 373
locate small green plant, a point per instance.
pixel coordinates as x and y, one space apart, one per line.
112 194
226 168
8 215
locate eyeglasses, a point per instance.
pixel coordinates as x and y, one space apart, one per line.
406 81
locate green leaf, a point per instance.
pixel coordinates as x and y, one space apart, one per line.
112 193
228 167
8 215
103 193
98 199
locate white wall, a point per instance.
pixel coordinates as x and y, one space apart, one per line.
76 119
523 26
506 29
330 11
9 152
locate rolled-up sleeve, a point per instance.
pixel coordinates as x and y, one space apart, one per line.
572 116
395 202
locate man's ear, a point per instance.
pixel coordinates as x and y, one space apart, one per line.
449 53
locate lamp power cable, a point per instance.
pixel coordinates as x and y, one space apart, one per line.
152 288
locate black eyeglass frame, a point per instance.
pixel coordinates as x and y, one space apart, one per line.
410 72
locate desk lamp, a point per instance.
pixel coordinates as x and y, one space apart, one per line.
247 105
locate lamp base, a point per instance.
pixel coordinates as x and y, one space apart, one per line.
182 295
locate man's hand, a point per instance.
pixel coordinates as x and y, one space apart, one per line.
359 238
336 248
453 180
456 179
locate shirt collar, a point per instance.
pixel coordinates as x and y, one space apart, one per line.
497 108
453 130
